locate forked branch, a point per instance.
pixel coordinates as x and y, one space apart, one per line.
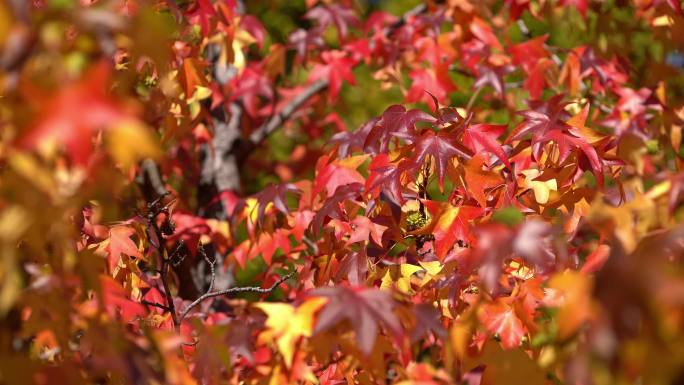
233 290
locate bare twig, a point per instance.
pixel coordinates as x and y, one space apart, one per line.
523 28
417 10
311 244
212 268
232 290
167 289
174 258
154 209
155 304
472 99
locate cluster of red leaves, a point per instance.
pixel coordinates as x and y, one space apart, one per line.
530 235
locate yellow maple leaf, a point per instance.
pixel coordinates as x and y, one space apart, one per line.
576 305
287 323
403 275
242 39
130 142
629 222
542 189
432 269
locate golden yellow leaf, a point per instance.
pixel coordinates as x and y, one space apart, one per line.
10 277
130 142
399 277
14 221
460 336
433 268
5 23
629 222
542 189
676 137
200 93
288 323
29 168
242 39
353 162
576 304
663 21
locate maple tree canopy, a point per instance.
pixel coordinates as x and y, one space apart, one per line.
341 192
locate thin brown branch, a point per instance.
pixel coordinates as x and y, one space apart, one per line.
167 290
232 290
212 268
311 244
155 208
472 99
415 11
155 304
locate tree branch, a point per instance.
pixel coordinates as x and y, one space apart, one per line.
244 289
155 304
261 133
220 171
225 167
150 180
212 268
415 11
155 208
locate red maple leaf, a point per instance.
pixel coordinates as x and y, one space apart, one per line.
331 176
386 177
528 53
77 112
120 242
436 82
364 308
118 302
484 33
500 318
441 147
365 229
252 85
483 138
567 143
302 40
333 14
492 75
331 207
354 267
276 194
453 225
336 67
395 120
347 141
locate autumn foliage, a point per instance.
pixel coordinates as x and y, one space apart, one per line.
341 192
